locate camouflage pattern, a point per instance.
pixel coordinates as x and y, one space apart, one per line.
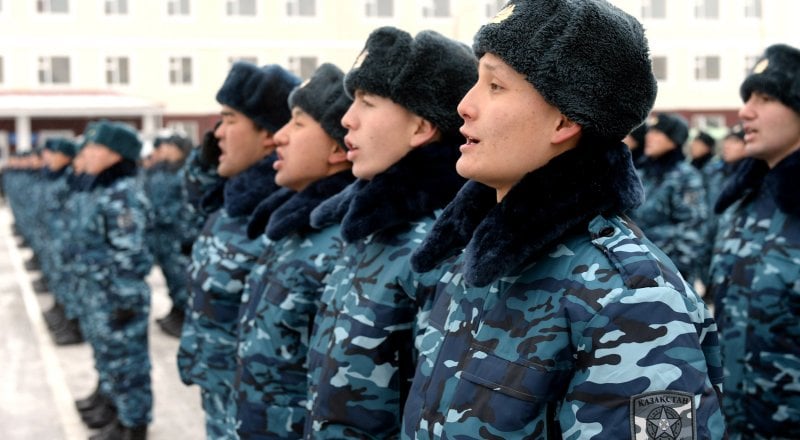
755 280
168 226
674 214
222 256
111 262
558 348
55 198
361 355
280 301
281 298
203 186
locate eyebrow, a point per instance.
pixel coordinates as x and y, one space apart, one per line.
226 113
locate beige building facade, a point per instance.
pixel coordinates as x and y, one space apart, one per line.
158 63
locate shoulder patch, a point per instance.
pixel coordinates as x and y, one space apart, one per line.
663 415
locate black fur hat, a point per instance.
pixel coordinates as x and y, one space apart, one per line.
427 74
671 124
62 145
586 57
259 93
116 136
777 74
707 139
323 97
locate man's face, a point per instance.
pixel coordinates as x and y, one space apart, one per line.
241 141
772 130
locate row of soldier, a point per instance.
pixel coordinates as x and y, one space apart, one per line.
436 244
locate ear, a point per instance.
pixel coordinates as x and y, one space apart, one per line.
424 132
337 154
566 130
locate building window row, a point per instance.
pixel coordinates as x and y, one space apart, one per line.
706 68
55 70
703 9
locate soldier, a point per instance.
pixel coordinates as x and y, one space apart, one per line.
166 236
402 139
253 103
58 154
284 288
756 263
112 260
674 213
558 319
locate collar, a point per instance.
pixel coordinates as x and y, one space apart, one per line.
120 170
751 175
420 183
244 191
545 205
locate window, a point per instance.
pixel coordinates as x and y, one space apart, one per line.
240 7
247 59
53 70
379 8
2 76
180 70
708 9
116 7
117 70
706 68
178 7
660 68
493 7
654 9
752 8
708 121
436 8
303 66
301 8
52 6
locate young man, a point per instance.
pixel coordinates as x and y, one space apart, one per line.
163 185
402 140
283 290
112 262
558 319
253 103
756 264
674 213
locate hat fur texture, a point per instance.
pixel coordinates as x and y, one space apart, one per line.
116 136
427 74
323 97
62 145
777 74
260 93
586 57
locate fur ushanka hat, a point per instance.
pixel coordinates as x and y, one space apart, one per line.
427 74
777 74
259 93
671 124
116 136
62 145
323 97
586 57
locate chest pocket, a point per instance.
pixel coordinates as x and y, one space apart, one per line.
510 400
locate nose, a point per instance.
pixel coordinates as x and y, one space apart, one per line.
746 110
348 120
282 136
219 131
466 108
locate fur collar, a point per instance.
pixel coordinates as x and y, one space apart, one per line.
165 166
753 174
659 166
295 214
566 193
244 191
120 170
420 183
700 162
55 174
260 216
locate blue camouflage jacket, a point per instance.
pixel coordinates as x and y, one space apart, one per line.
361 355
755 280
674 213
109 245
560 319
222 256
279 303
